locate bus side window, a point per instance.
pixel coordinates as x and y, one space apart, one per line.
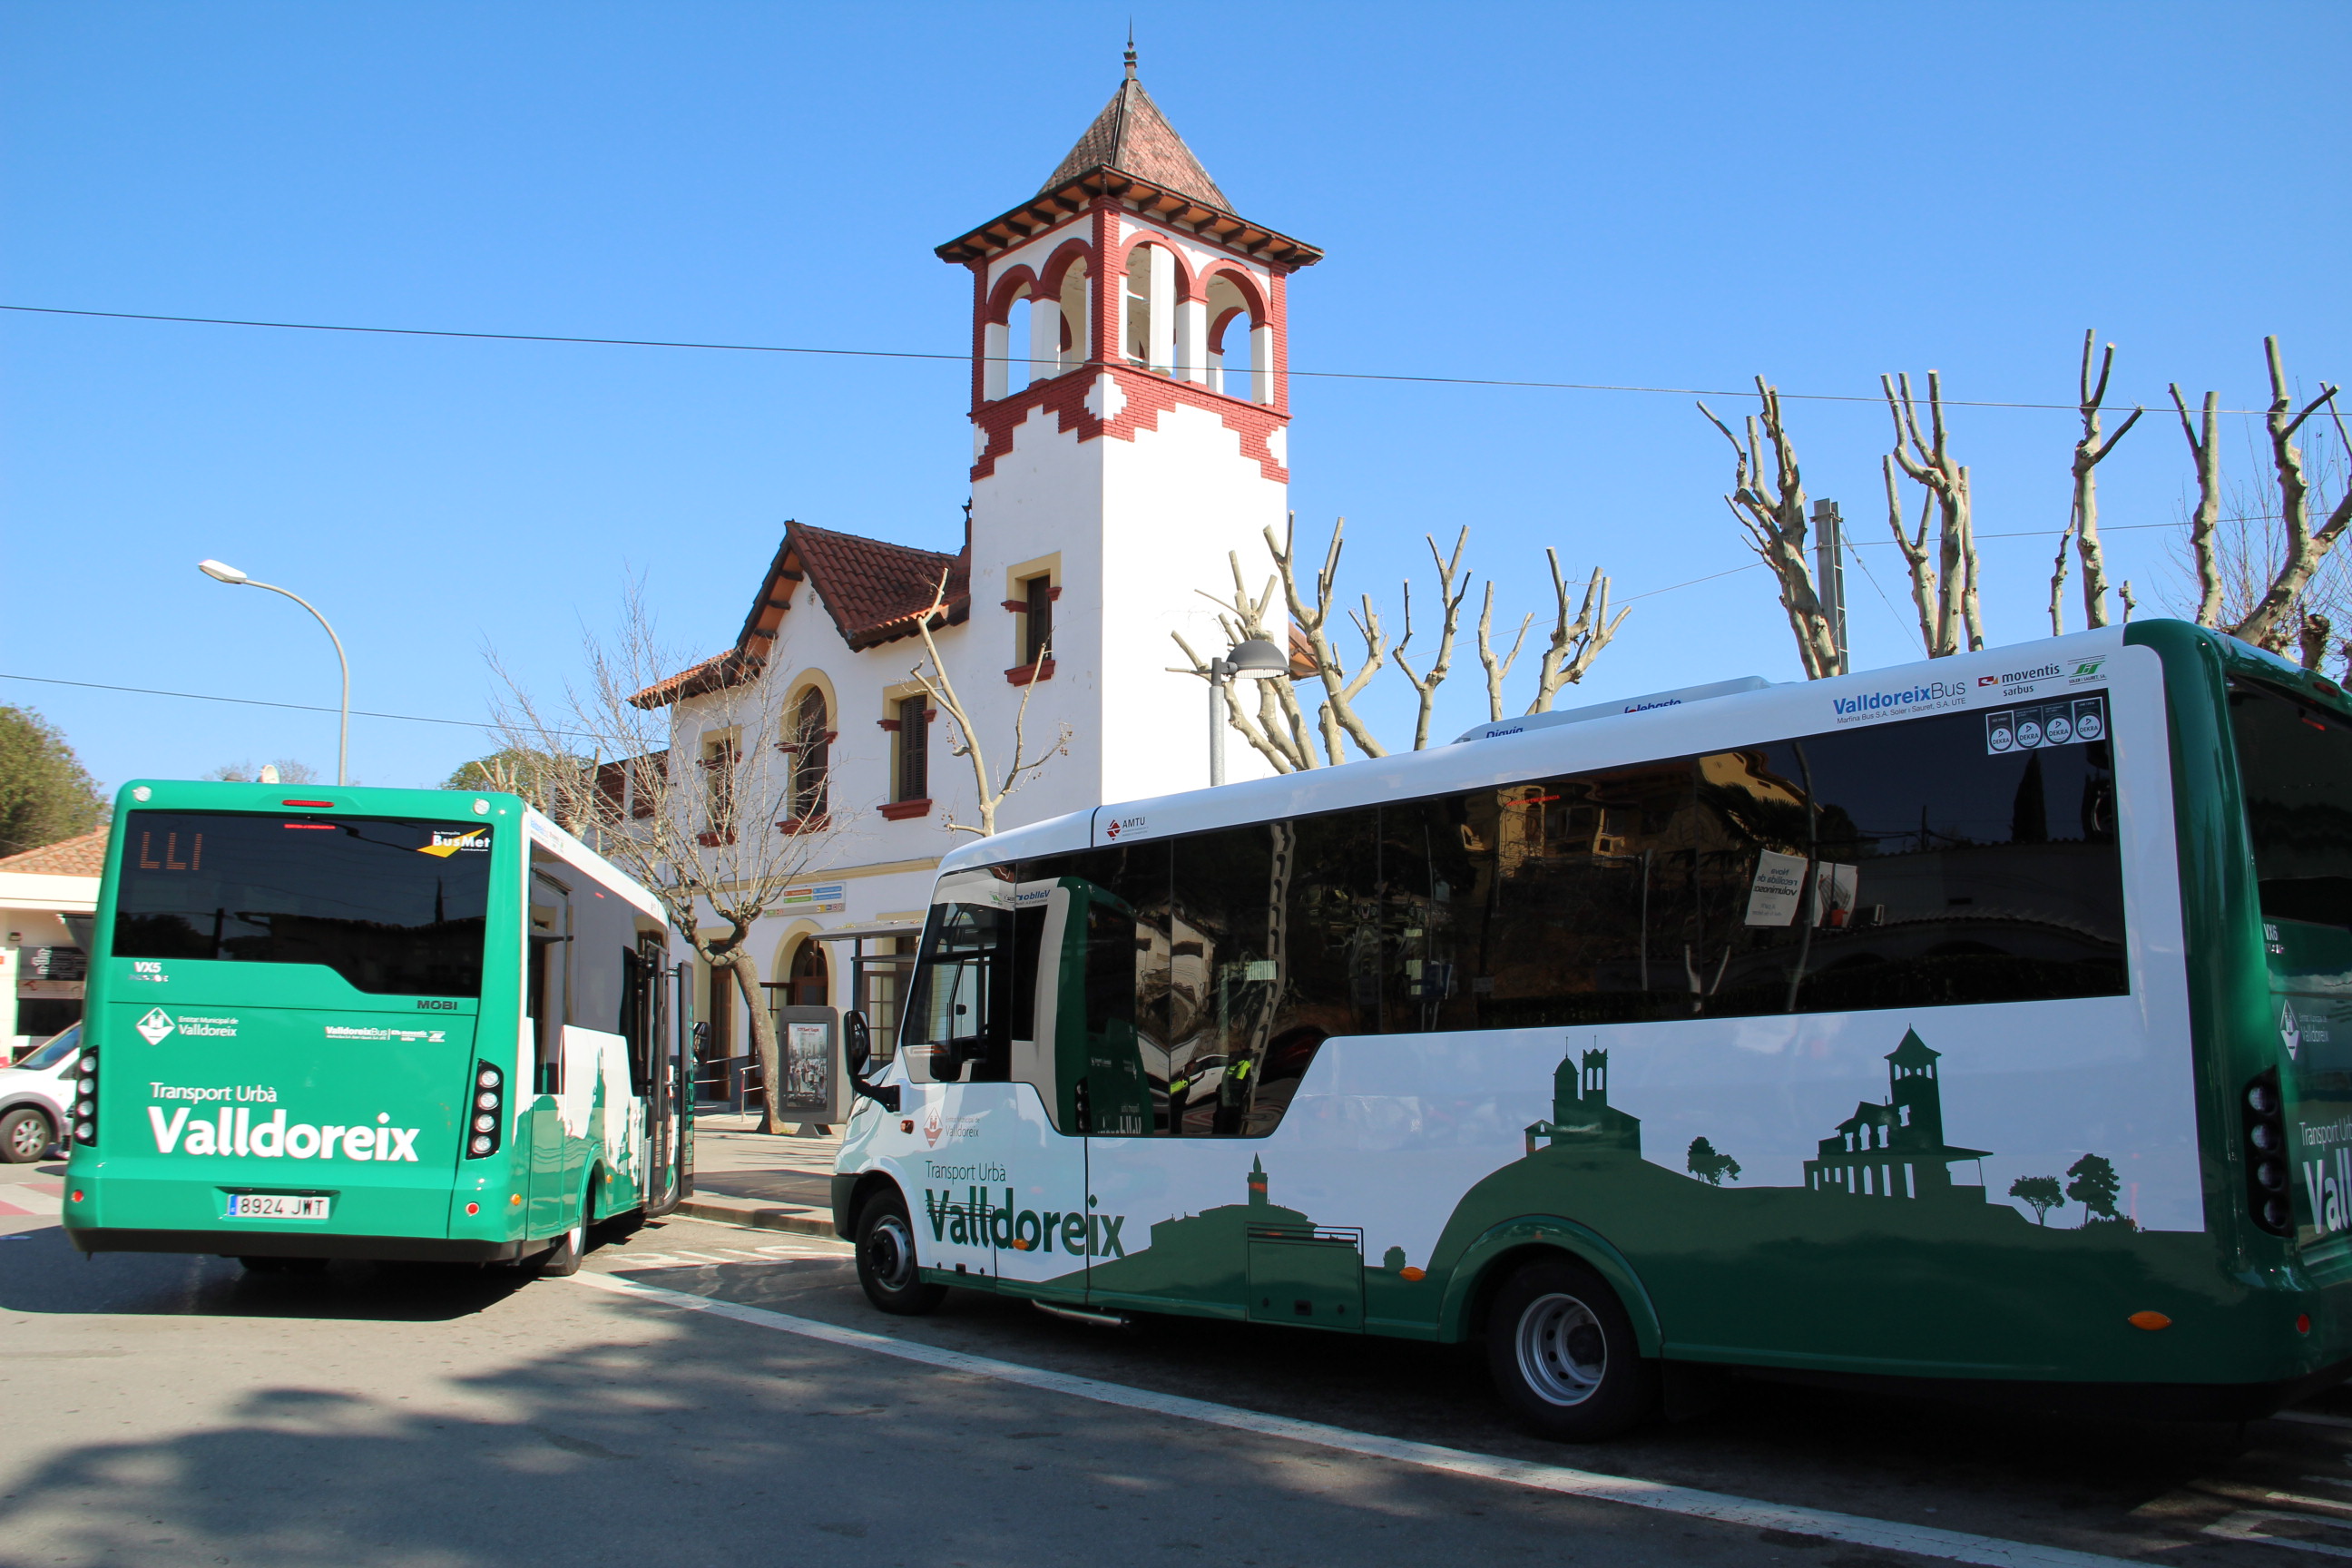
959 999
551 938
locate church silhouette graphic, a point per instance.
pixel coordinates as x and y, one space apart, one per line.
1894 1149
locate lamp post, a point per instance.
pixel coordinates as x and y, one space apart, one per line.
221 571
1256 659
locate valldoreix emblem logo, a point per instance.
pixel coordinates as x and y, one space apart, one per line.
155 1026
2290 1030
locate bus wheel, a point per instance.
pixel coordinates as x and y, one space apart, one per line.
1563 1356
886 1259
25 1136
562 1259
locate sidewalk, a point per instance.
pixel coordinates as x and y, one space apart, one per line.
743 1177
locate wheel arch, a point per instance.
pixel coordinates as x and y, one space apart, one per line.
870 1184
1490 1259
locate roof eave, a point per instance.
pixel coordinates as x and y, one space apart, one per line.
1045 210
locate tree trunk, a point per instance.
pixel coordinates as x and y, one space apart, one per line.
764 1039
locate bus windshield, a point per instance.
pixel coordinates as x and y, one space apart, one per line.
2295 762
395 907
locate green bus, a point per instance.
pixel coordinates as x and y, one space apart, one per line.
1982 1027
379 1024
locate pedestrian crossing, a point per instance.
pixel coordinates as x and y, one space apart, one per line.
2291 1489
797 1249
41 1200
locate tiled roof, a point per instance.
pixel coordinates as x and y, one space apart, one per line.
1132 136
1130 154
83 857
874 592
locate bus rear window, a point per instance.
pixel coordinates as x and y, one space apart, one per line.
2295 765
395 908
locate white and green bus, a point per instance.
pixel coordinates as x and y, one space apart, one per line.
1973 1025
391 1024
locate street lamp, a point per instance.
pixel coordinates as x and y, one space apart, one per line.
1256 659
221 571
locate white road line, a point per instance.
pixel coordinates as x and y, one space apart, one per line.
2311 1418
1921 1540
2247 1525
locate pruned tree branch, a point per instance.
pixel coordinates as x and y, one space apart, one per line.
2083 522
1772 512
2271 623
1575 644
1449 601
1497 669
2205 452
1958 620
989 790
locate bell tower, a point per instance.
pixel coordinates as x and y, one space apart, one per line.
1130 408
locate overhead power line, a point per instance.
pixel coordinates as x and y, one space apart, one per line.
259 702
1008 359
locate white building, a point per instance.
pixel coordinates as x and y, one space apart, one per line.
47 899
1130 411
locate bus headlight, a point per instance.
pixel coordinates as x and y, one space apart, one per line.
85 1096
490 1111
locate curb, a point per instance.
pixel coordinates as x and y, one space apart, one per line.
743 1211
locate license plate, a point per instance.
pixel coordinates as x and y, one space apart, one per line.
276 1205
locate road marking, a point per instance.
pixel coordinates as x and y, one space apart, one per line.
2311 1418
28 1198
1920 1540
2247 1524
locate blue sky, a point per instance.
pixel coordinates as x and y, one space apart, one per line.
1666 195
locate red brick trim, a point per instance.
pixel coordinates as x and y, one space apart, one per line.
1024 674
902 810
710 840
797 825
1149 395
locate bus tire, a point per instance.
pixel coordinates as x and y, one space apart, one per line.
1563 1355
562 1260
24 1135
887 1269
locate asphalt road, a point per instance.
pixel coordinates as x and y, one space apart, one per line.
171 1410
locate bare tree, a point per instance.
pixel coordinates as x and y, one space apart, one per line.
1772 510
1575 642
2272 624
695 830
2083 521
1280 732
990 789
1945 594
1498 666
1449 602
2205 452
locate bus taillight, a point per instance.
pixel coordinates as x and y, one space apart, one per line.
488 1111
2263 1114
85 1113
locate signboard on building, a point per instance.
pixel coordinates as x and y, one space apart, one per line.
814 899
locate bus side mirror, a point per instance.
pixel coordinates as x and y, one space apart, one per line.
857 1051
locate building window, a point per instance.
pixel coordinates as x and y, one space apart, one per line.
1037 636
914 742
812 753
721 760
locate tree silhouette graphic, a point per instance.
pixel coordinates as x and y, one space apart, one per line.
2039 1193
2094 1186
1708 1165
